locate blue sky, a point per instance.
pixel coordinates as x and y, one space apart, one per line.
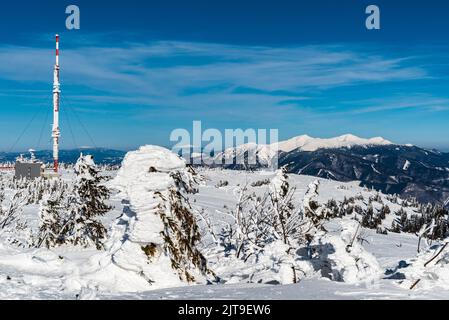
139 69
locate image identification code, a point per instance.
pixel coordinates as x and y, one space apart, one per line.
226 310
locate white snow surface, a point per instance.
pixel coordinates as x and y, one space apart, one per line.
122 270
429 270
353 262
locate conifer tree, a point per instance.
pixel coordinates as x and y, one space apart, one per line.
50 221
181 233
86 205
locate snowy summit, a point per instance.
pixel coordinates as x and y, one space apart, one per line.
267 152
307 143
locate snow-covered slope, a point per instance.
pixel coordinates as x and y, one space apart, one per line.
122 271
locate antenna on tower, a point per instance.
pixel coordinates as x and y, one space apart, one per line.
32 168
56 96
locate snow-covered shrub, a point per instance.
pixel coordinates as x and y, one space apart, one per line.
34 190
13 227
371 218
267 231
429 269
294 227
249 229
341 209
343 258
422 217
412 217
261 183
279 264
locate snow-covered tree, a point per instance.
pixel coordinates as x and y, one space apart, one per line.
51 221
181 233
311 207
9 214
86 205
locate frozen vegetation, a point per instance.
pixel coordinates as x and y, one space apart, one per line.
157 229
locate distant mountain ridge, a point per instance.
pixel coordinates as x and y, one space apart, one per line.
266 153
307 143
406 170
101 155
391 168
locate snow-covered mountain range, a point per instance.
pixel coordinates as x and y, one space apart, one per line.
266 153
307 143
376 162
406 170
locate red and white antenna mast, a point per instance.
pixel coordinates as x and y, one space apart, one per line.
56 94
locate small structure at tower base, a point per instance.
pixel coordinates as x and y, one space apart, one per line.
29 168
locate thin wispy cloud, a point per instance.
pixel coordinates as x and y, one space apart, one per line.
161 72
419 102
314 89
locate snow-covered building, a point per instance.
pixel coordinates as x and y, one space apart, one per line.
29 168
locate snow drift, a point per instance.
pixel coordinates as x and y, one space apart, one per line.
429 269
